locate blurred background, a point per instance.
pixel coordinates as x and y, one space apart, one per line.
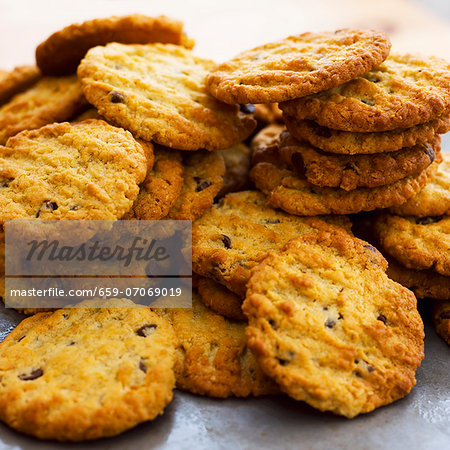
221 29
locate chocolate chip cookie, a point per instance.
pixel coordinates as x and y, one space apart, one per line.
308 334
239 231
123 373
402 92
212 357
158 92
417 243
88 170
61 53
51 99
347 142
298 66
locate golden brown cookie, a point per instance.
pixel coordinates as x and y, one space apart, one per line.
220 299
178 113
87 170
17 80
433 199
402 92
61 53
49 100
417 243
202 181
123 373
285 189
237 168
347 142
424 283
298 66
349 172
161 187
330 327
441 319
212 357
239 231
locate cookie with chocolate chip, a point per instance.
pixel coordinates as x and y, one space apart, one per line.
158 92
297 66
51 99
402 92
290 191
441 319
212 357
203 174
220 299
424 283
349 172
17 80
306 332
347 142
61 52
417 243
161 187
94 371
88 170
239 231
433 199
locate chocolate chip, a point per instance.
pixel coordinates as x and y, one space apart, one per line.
445 314
358 374
272 323
273 221
32 375
428 220
382 318
351 166
71 343
47 205
4 184
340 316
22 337
429 151
371 248
373 79
356 361
146 330
370 369
330 323
325 308
226 241
368 102
248 108
201 184
283 362
142 366
117 97
75 208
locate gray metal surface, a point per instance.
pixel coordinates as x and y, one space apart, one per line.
420 421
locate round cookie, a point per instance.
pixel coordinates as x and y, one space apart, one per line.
402 92
331 328
347 142
17 80
419 244
297 66
433 199
238 232
349 172
123 373
161 187
441 319
203 180
220 299
88 170
61 53
170 106
212 357
237 165
424 283
49 100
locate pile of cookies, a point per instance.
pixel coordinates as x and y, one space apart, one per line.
266 154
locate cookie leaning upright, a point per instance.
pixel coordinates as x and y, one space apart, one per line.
88 170
330 327
158 92
61 52
87 372
298 66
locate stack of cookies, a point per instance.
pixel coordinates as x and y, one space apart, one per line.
157 133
